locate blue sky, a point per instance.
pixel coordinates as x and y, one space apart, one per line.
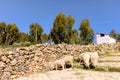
104 15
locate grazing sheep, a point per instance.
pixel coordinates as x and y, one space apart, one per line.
60 63
84 59
51 65
57 64
94 57
89 59
68 59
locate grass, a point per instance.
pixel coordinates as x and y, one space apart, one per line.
77 67
109 61
108 69
44 71
99 68
111 69
111 54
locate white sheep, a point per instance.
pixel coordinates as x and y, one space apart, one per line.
68 59
94 57
51 65
60 63
84 59
89 59
57 64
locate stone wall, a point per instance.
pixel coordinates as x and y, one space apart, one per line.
19 61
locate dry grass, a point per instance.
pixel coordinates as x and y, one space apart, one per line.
100 68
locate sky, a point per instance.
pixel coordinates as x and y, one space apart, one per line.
104 15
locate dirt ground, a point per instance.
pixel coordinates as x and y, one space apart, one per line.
69 74
112 60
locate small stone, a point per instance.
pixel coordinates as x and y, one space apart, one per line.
38 53
36 58
13 76
38 45
8 61
14 62
11 53
33 63
2 65
26 56
32 56
21 59
4 58
11 57
8 69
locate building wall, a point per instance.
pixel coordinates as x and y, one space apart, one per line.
104 38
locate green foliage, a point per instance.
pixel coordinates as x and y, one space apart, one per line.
86 34
12 34
57 34
35 32
118 37
44 37
2 32
75 38
23 37
69 32
113 34
62 29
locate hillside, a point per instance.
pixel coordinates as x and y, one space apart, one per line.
21 61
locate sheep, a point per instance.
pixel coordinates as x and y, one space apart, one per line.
60 63
89 59
51 65
94 57
57 64
84 59
68 59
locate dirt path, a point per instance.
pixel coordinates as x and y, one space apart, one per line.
69 74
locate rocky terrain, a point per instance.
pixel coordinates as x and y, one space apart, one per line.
17 62
111 60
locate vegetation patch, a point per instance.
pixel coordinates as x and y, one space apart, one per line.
100 68
77 67
110 54
107 68
109 61
111 69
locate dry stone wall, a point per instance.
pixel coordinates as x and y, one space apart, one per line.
15 62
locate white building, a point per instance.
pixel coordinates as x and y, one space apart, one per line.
104 38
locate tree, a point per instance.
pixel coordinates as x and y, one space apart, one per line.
57 34
86 33
70 22
44 37
113 34
2 32
23 37
62 29
12 33
118 37
35 32
75 38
